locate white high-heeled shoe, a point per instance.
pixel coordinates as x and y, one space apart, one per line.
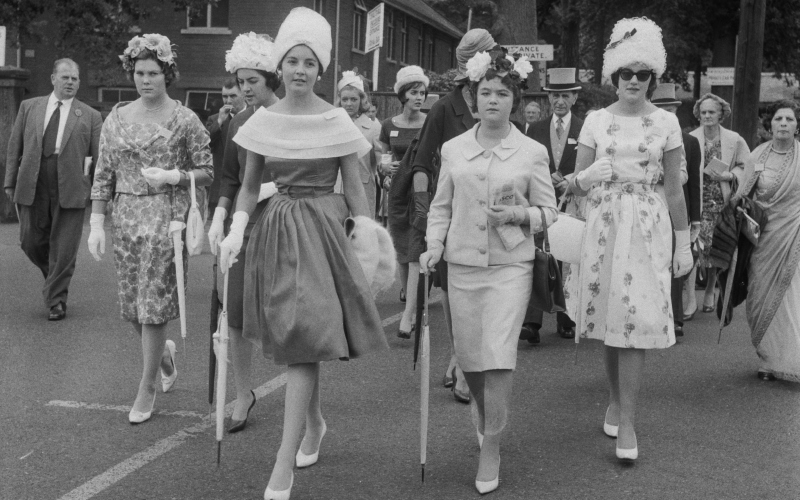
485 487
168 381
270 494
628 454
137 417
610 430
302 460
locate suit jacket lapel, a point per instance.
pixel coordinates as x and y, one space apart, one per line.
461 109
39 113
71 119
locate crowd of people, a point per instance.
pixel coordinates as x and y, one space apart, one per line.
466 192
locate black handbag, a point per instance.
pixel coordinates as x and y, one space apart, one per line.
548 289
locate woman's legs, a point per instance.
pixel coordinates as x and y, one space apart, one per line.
612 374
155 355
302 406
409 275
492 392
711 278
241 356
461 384
624 387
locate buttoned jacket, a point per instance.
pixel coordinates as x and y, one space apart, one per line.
472 178
734 152
81 139
368 163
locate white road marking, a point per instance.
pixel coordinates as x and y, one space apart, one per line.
113 475
124 409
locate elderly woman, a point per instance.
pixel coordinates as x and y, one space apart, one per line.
353 99
620 293
397 132
148 147
306 297
494 193
250 59
774 288
729 147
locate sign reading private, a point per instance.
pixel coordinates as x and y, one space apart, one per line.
374 28
532 52
721 76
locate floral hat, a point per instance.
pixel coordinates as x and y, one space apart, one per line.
516 66
158 44
251 51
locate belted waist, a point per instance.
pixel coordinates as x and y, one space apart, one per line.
628 187
304 191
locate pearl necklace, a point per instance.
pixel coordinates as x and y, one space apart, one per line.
156 109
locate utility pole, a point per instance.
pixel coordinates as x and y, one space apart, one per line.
747 73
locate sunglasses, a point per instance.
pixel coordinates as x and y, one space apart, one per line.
642 76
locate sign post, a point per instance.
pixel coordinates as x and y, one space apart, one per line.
2 45
374 40
536 54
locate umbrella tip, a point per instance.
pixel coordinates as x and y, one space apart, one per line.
219 451
423 473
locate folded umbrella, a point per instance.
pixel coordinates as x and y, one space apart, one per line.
221 338
425 365
176 229
213 327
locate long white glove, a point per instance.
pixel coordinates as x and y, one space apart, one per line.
431 257
267 190
503 214
157 177
598 171
682 261
217 230
97 237
232 244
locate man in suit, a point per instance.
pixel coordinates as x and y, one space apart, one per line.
217 126
532 114
664 98
559 134
51 156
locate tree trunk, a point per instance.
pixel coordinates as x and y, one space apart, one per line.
747 75
698 74
724 56
570 35
520 27
599 43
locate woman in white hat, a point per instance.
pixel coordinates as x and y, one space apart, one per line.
396 135
306 297
620 293
250 60
353 99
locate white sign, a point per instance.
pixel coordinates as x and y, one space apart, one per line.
374 28
2 45
532 52
720 76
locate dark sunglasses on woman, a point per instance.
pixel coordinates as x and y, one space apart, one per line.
642 76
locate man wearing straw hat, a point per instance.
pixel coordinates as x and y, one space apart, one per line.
559 134
664 97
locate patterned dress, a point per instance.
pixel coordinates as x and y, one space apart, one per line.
620 293
713 202
143 249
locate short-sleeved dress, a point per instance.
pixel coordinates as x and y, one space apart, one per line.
713 201
620 292
399 139
143 249
306 296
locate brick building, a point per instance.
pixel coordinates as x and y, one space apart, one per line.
413 34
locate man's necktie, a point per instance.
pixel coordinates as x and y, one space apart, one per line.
560 128
51 132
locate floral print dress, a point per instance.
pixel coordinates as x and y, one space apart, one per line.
143 249
713 202
620 292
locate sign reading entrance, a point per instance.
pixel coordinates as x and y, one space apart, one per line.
532 52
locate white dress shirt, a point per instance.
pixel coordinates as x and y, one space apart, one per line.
565 121
66 105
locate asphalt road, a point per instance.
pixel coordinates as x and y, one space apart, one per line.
707 428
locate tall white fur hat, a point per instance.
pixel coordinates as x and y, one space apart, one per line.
635 40
409 74
250 51
303 26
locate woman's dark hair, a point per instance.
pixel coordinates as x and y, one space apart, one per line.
652 83
510 80
401 92
774 108
273 82
170 70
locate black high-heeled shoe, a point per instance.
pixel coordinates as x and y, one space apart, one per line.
239 425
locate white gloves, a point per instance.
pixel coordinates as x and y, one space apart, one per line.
504 214
232 245
217 230
157 177
97 237
598 171
430 258
267 190
682 261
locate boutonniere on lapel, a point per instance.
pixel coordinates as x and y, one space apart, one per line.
78 113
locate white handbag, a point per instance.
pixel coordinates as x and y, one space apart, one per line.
566 236
195 226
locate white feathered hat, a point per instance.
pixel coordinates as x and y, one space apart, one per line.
303 26
251 51
410 74
635 40
350 78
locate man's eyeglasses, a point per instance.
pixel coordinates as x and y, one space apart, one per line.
642 76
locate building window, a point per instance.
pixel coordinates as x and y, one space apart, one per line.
420 46
404 39
390 35
212 16
431 51
358 24
319 6
204 101
120 94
